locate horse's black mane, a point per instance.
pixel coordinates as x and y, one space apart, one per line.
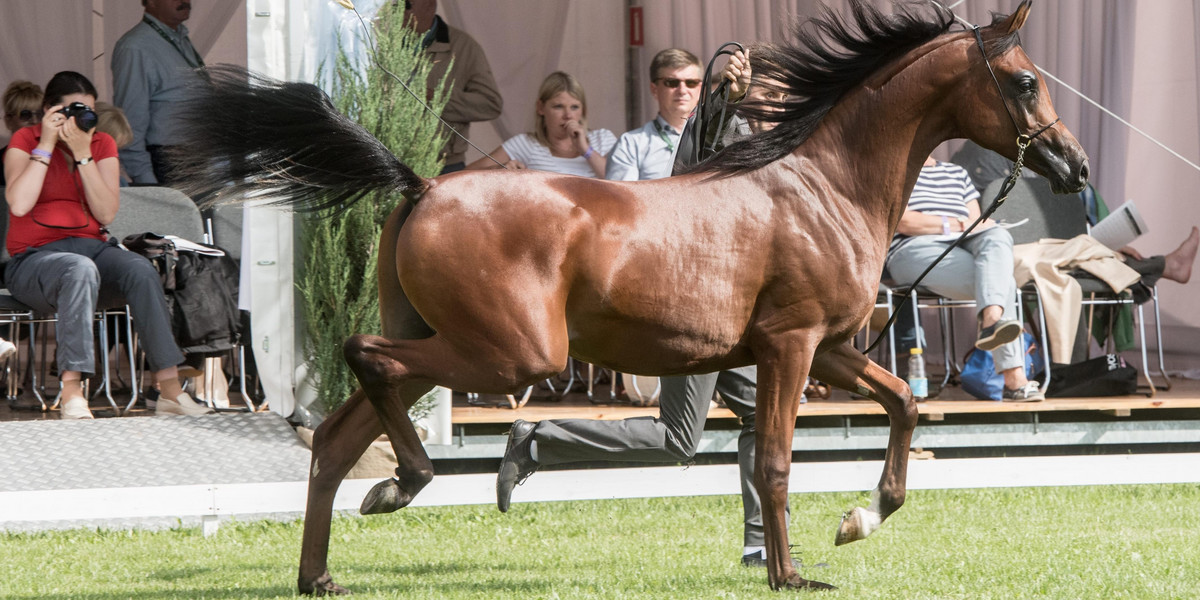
827 56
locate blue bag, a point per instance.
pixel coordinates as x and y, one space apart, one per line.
979 376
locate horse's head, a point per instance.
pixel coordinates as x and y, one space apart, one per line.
1014 107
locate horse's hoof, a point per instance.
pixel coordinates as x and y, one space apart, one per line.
385 497
323 586
856 525
796 582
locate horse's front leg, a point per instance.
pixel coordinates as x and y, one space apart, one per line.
851 370
783 363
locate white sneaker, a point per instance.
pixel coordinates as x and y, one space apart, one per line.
7 349
183 405
75 408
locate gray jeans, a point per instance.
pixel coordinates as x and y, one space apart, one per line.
74 276
673 436
980 269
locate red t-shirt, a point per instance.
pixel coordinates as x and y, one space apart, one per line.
61 210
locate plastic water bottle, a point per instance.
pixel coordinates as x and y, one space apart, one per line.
916 374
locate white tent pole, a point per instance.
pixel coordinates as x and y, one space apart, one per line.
270 232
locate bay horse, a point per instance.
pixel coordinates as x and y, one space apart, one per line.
769 254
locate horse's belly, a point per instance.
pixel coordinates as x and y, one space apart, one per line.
651 349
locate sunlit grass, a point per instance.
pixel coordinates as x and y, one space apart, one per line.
1102 542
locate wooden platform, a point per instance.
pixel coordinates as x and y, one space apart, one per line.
1184 394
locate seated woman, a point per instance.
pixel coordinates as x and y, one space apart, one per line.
22 108
942 205
62 192
560 141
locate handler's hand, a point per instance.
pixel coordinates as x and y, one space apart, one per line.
515 164
737 71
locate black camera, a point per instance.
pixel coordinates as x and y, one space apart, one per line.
85 118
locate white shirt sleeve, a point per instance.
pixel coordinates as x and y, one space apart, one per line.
622 161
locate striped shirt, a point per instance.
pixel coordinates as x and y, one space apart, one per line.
528 150
943 189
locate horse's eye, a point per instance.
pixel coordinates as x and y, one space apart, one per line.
1026 82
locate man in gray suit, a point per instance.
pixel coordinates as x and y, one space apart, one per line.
674 435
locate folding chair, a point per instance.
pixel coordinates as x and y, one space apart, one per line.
1064 216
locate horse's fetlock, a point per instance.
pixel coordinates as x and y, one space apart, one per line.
415 480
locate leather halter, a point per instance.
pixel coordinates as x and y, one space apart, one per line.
1021 137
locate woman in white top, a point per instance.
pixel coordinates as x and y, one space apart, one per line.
560 141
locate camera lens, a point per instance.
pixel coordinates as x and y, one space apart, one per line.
86 119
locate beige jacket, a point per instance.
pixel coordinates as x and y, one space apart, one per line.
1047 263
474 95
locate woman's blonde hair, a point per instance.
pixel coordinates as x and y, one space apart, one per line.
555 84
19 96
111 120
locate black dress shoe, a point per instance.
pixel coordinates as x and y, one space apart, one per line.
517 464
759 559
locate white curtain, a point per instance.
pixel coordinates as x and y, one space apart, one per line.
39 38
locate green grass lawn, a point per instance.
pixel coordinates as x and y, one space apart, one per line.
1103 542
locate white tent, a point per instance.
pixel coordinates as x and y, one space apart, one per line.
1138 59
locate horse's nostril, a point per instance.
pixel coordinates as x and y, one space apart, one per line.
1083 173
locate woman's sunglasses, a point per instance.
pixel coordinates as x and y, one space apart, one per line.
29 115
673 83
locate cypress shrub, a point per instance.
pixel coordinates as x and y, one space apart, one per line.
338 283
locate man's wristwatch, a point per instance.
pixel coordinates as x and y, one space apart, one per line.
945 225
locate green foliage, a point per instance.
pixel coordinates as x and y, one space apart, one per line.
338 282
1130 542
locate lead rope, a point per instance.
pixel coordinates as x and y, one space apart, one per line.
1001 196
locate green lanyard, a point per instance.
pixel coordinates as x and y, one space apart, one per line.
170 41
663 134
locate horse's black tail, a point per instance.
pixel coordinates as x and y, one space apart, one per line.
246 136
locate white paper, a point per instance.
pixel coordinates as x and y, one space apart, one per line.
183 245
950 237
1120 227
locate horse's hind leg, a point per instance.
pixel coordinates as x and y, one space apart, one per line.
850 370
337 444
392 395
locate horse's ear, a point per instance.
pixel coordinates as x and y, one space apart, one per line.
1016 20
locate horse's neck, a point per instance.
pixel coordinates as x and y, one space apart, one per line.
880 137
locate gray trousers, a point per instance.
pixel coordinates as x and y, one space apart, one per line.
74 276
979 269
673 436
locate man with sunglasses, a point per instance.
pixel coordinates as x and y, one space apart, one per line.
648 151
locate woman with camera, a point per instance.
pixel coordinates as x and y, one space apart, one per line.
62 193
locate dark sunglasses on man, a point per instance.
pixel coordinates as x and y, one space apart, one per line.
673 83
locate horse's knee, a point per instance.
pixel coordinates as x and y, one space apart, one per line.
771 479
